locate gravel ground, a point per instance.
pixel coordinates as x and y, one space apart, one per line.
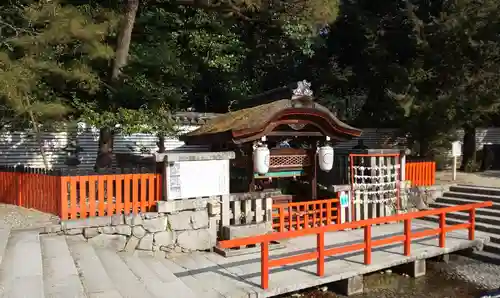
483 275
22 218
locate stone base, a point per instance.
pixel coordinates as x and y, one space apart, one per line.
442 258
247 230
413 269
351 286
247 250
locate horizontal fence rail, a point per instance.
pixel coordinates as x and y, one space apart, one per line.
80 195
302 215
367 245
420 172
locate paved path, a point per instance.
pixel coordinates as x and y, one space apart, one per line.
66 267
488 178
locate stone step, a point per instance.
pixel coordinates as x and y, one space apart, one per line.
478 197
480 218
21 271
146 275
60 276
168 277
492 247
484 190
476 186
480 211
487 257
127 283
463 201
95 279
484 227
4 239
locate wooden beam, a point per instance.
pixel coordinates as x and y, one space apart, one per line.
295 134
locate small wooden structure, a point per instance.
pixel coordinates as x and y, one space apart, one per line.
292 127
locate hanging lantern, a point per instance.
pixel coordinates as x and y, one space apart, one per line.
261 159
325 157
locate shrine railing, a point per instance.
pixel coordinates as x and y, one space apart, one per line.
368 243
303 215
421 172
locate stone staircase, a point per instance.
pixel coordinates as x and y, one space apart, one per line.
57 266
487 219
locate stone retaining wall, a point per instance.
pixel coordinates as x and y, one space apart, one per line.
419 197
181 231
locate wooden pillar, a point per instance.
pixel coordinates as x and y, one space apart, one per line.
313 176
250 171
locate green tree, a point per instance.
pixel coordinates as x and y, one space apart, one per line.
46 62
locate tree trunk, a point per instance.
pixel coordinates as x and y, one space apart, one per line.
469 149
425 148
106 134
124 37
161 143
105 149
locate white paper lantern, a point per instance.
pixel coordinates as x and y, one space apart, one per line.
325 158
261 160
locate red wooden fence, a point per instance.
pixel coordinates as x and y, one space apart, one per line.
80 196
367 245
421 173
302 215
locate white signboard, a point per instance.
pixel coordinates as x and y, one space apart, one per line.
191 179
456 149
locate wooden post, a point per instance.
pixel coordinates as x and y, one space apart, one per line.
250 169
320 262
407 229
403 165
225 211
314 173
472 221
264 264
368 244
442 227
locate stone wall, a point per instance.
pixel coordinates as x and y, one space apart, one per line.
180 231
419 197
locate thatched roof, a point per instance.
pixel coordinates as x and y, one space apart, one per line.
258 116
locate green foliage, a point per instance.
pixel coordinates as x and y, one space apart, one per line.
49 57
425 67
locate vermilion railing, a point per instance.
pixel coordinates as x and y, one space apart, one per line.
421 172
302 215
79 196
105 195
34 190
367 245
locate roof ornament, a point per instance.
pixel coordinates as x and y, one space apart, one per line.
303 89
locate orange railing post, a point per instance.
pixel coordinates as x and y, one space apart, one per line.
368 244
407 230
264 265
339 210
320 263
442 228
63 196
328 213
472 222
281 211
19 189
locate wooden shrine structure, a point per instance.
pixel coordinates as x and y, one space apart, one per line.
293 127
